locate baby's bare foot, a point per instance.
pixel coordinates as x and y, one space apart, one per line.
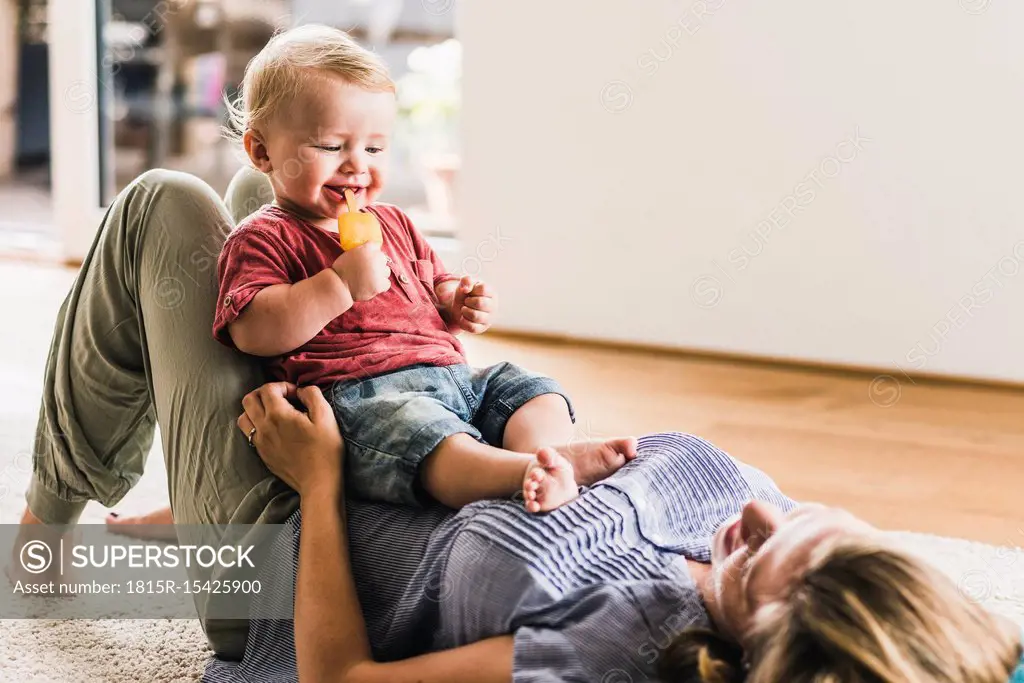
549 482
592 461
155 526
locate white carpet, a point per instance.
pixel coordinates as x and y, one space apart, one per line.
154 650
93 651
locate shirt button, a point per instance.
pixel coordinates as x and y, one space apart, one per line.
404 278
227 300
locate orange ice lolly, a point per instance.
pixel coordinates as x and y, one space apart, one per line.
356 228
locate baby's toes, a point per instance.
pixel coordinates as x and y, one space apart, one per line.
555 464
530 487
559 484
532 484
626 447
548 458
538 492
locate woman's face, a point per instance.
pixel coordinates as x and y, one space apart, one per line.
758 555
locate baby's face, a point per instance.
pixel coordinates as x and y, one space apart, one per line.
333 136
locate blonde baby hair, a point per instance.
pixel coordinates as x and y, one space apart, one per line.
289 61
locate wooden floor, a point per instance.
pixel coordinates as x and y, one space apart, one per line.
938 458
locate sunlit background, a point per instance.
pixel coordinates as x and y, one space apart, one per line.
165 67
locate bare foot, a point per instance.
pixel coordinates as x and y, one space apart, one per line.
549 483
592 461
155 526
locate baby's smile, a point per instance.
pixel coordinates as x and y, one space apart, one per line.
337 193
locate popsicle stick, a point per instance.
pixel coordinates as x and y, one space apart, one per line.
350 203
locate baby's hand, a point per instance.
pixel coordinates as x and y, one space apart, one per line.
473 305
364 270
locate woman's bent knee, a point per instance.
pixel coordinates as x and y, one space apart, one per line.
248 191
176 214
175 184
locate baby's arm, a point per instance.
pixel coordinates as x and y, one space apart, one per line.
463 303
283 317
264 310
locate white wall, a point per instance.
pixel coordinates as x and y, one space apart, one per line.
610 192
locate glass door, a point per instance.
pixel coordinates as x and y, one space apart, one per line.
139 84
74 124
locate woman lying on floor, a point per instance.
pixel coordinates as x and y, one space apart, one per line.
660 572
685 564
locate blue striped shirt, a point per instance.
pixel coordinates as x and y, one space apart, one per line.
591 591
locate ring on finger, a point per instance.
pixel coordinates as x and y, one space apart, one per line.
252 433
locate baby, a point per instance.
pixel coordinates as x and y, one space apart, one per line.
376 327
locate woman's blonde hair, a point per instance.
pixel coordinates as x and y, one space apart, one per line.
862 613
290 60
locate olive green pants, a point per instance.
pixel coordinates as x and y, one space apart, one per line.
133 347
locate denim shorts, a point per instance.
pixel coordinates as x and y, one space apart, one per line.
391 422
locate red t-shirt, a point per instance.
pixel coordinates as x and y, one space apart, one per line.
395 329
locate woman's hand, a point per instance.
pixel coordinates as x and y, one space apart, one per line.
304 449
